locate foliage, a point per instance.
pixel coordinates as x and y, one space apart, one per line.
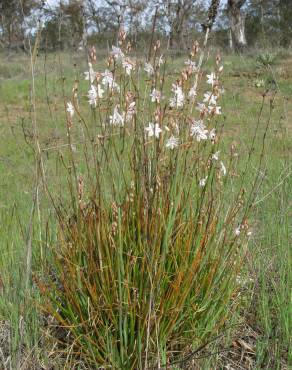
69 24
266 59
148 253
13 20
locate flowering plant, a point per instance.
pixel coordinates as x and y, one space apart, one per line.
146 266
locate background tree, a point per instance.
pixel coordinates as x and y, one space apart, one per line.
107 16
237 23
74 14
285 22
13 14
178 14
262 23
179 19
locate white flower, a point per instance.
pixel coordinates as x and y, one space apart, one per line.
215 156
117 119
172 142
223 168
153 129
131 110
207 96
177 90
198 130
173 102
210 98
160 60
117 53
70 109
237 230
201 107
90 75
212 134
192 93
108 80
213 100
149 69
92 95
203 181
216 110
178 100
107 77
155 96
191 65
128 65
211 78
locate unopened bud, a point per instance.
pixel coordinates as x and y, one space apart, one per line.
92 54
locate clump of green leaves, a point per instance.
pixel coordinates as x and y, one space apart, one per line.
148 249
265 60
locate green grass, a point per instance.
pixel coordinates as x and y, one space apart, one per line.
267 299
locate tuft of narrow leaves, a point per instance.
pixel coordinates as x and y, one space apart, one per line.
147 256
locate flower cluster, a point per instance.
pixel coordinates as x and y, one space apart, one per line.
163 123
198 130
177 101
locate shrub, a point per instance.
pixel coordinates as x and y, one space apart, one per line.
266 60
152 239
